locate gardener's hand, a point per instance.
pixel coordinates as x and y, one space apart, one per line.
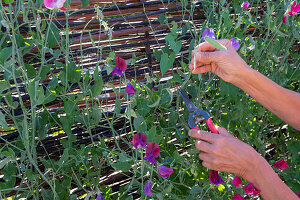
227 64
223 152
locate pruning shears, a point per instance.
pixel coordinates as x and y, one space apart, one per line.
197 115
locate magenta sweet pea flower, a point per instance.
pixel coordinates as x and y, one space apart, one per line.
139 140
237 182
294 9
121 63
245 5
147 189
208 32
284 18
281 164
215 178
99 197
235 43
52 4
298 194
249 189
130 89
225 5
238 197
164 171
152 152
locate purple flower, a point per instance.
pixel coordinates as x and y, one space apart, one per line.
238 197
281 164
245 5
225 5
117 71
214 178
237 182
164 171
209 33
147 189
294 9
249 189
121 63
99 197
130 89
152 152
284 18
139 140
235 43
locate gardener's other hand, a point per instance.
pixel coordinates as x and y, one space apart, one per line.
223 152
227 64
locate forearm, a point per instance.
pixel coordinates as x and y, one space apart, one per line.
267 181
282 102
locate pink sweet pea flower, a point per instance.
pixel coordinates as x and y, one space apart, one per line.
237 182
214 178
235 43
147 189
284 18
208 32
139 140
294 9
238 197
152 152
121 63
99 197
245 5
164 171
281 164
130 89
298 194
52 4
249 189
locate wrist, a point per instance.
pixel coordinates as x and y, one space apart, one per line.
241 78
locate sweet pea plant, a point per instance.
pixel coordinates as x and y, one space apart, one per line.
154 157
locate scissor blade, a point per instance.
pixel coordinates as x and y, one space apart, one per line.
191 107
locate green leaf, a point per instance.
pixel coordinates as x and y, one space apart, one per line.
215 43
117 107
40 95
73 73
85 3
164 63
9 1
176 46
2 120
31 72
4 162
161 18
155 104
97 87
123 166
53 35
125 158
4 86
5 54
139 124
141 107
9 100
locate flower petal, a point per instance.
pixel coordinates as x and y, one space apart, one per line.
52 4
121 63
235 43
298 194
284 18
117 71
214 178
238 197
164 171
139 140
153 148
225 5
150 158
237 182
208 32
99 197
281 164
249 189
147 189
245 5
130 89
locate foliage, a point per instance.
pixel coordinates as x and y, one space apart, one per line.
76 170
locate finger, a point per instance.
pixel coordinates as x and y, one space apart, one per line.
205 157
203 135
207 165
204 58
205 46
202 69
223 131
203 146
